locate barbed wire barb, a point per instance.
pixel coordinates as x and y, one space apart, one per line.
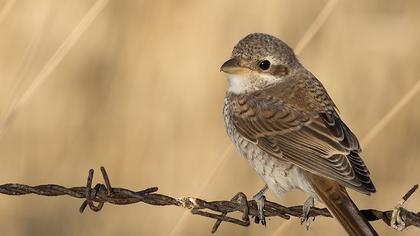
95 197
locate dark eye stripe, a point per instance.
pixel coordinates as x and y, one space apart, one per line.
279 70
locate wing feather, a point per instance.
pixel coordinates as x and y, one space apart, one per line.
315 139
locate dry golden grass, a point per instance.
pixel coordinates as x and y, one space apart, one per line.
139 89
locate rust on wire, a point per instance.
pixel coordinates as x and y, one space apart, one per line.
95 197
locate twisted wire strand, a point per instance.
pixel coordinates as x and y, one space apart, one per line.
95 197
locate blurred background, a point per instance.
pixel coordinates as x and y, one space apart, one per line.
135 86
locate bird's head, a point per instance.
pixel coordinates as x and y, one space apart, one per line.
258 61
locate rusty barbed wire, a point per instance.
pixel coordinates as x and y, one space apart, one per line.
105 193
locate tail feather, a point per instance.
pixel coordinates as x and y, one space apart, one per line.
341 206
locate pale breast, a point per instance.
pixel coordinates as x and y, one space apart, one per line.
280 176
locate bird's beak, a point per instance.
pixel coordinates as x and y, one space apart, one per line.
232 66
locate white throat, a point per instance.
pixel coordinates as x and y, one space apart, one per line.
238 83
241 83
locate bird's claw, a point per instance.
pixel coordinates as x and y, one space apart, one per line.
259 198
396 221
305 212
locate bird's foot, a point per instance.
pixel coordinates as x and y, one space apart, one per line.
305 212
259 198
396 221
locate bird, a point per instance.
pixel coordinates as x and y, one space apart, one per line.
284 123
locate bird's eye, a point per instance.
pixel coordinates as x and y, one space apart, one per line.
265 65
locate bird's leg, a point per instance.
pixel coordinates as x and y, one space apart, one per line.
305 211
396 221
259 198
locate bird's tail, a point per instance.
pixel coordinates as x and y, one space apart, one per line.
341 206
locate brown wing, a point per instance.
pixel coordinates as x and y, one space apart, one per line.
316 140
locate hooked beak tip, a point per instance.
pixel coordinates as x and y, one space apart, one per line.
230 66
